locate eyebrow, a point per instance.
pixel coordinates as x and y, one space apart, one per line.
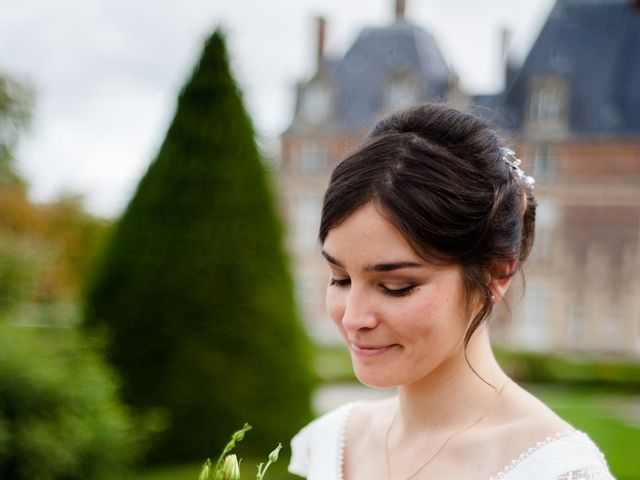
379 267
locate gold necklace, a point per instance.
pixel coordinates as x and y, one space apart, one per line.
429 460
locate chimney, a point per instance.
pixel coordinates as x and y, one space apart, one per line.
321 32
506 44
400 6
505 57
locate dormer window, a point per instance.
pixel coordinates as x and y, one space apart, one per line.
548 102
317 102
402 90
545 106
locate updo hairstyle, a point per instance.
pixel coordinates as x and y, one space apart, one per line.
439 175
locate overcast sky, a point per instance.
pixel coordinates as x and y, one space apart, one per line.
107 72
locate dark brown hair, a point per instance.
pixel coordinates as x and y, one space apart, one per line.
439 175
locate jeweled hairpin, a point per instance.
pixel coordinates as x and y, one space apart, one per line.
509 156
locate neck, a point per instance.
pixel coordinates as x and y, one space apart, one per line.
452 395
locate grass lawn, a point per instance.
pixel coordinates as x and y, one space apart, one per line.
612 420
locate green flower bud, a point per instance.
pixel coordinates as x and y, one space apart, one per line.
231 468
206 471
273 456
239 435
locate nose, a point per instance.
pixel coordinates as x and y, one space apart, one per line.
359 312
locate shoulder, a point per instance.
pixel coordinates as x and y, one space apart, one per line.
563 456
523 416
530 435
319 443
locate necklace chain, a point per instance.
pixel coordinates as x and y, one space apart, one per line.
444 444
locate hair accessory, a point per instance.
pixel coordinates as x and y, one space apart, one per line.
509 156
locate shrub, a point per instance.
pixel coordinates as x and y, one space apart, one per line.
60 417
194 289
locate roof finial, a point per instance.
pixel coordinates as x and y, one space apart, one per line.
400 5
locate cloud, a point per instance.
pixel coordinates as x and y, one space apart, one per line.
107 72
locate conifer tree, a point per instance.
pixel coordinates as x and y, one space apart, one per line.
194 290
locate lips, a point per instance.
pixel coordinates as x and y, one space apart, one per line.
364 350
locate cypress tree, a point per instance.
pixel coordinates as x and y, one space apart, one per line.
194 290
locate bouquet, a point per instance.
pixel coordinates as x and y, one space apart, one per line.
227 467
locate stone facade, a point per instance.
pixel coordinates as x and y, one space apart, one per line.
583 278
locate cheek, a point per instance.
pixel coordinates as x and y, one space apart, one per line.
449 324
416 321
335 305
430 317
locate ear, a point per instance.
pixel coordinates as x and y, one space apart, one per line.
499 284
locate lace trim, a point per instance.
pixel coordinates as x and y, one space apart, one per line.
575 475
533 449
342 440
586 475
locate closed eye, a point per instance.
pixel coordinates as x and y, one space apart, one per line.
398 292
339 282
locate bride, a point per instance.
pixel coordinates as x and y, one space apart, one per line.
423 227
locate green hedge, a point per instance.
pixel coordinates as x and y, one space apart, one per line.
533 367
333 365
60 417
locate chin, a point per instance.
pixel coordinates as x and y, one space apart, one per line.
377 380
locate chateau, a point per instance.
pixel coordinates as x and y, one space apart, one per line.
571 109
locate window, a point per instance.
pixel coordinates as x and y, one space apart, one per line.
534 330
316 102
577 335
612 334
307 291
545 106
401 91
547 220
548 102
543 164
313 159
306 221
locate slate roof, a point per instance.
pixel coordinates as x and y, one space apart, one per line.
489 107
374 56
360 75
595 46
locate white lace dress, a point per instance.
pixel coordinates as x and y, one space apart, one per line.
317 454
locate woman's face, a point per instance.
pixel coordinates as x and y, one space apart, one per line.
400 316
